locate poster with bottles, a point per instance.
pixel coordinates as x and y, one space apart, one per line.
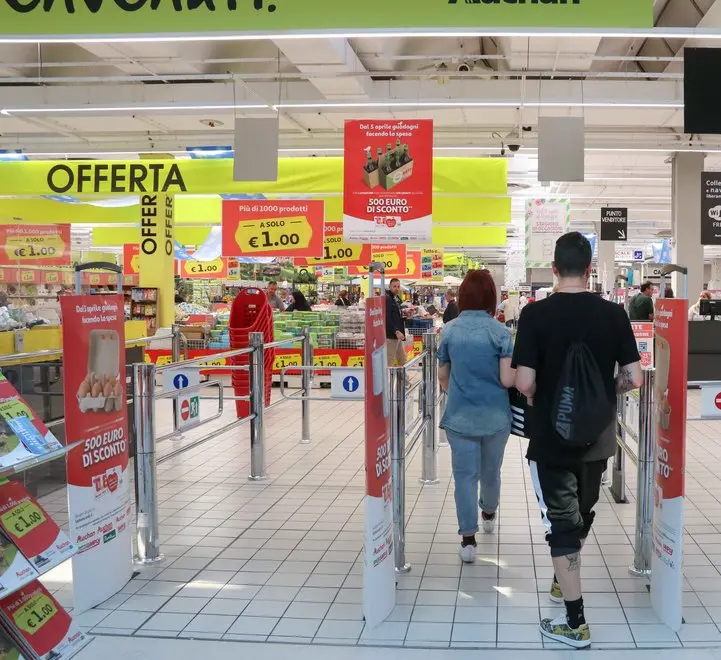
41 624
31 529
23 435
388 181
96 419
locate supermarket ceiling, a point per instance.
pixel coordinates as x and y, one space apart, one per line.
105 99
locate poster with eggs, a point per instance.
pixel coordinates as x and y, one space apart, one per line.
96 417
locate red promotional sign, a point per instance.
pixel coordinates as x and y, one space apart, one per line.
96 416
379 594
131 259
671 382
35 245
643 332
413 264
388 181
42 622
336 252
273 228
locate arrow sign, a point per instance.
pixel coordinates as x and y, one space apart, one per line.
180 381
614 224
350 384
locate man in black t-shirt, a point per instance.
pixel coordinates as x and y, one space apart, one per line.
568 481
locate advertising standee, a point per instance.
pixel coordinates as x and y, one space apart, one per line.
98 475
671 326
379 590
388 181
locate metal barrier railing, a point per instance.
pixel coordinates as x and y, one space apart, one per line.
644 436
402 445
144 398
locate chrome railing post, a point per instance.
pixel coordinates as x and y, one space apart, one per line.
257 404
146 475
306 376
618 477
643 547
429 474
398 463
175 343
442 438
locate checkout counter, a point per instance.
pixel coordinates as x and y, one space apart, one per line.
704 343
40 382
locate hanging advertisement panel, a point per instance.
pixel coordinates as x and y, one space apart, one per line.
393 257
379 586
98 476
74 17
643 332
546 221
710 208
204 270
273 228
388 181
413 264
131 258
336 252
671 326
432 265
35 245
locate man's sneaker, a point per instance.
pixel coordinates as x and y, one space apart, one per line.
556 595
489 522
468 553
558 630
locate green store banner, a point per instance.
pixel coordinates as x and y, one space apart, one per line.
65 18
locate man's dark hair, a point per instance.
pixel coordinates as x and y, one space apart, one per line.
395 279
646 286
572 255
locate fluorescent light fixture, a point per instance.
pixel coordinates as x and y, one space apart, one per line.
378 33
175 107
324 105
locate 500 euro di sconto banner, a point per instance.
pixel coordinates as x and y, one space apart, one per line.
388 181
98 476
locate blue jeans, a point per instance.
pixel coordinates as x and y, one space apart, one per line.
476 460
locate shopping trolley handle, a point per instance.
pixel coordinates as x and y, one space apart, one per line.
99 265
667 269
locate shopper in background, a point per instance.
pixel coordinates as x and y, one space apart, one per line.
451 310
694 312
343 300
395 327
273 297
299 303
641 305
668 292
475 369
566 477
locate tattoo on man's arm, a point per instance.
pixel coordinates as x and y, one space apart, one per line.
624 380
574 561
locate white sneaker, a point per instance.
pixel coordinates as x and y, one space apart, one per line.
468 554
559 631
489 522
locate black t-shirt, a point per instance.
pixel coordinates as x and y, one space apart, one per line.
545 331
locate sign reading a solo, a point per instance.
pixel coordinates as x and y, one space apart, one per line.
614 224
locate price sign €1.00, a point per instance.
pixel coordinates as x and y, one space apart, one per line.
23 519
12 408
259 236
286 360
204 269
34 248
35 613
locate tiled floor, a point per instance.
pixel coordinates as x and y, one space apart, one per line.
280 561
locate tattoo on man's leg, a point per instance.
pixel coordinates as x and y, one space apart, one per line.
574 561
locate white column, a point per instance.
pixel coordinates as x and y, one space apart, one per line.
715 279
606 260
686 168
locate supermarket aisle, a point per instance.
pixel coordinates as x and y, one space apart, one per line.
281 561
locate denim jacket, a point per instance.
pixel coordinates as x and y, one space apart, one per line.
477 402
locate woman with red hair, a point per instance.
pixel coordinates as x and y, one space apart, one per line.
475 369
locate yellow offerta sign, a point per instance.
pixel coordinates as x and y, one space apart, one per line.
157 252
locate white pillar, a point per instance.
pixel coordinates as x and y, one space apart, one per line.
686 168
714 281
606 260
